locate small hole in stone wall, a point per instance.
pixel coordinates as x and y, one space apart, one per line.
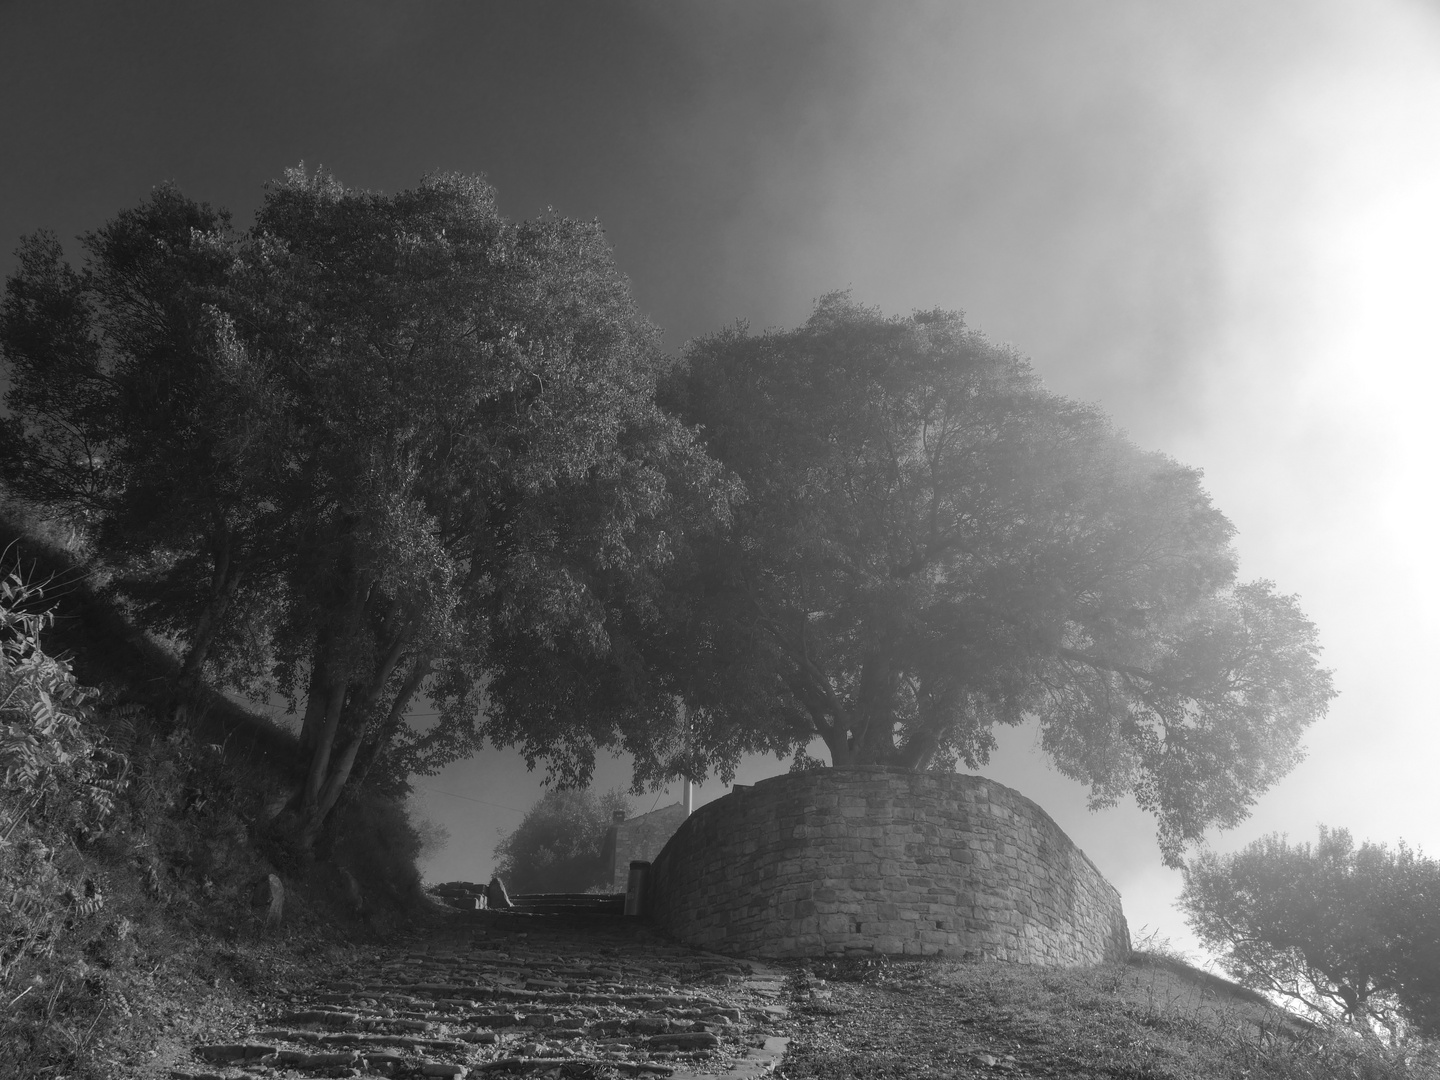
940 924
857 927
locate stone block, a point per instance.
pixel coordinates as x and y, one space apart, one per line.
226 1054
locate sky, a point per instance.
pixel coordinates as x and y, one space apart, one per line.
1221 221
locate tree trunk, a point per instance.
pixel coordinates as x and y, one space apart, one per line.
224 583
344 768
874 741
847 750
837 741
314 717
329 772
864 734
324 744
344 765
371 752
920 750
330 687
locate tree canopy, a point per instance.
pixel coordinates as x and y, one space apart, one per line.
127 412
1339 928
368 446
383 446
931 544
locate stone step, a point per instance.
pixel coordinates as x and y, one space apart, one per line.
525 994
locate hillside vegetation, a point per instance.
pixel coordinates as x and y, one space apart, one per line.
131 837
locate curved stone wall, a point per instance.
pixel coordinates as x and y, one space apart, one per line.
881 860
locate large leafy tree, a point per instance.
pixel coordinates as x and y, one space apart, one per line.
932 544
1345 930
488 471
405 437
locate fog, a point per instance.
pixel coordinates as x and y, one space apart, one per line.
1220 221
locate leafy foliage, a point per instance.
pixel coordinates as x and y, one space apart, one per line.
45 750
55 769
130 409
1344 930
557 845
932 544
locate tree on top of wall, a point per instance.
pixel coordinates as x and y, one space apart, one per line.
931 544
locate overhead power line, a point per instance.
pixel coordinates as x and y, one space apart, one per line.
468 798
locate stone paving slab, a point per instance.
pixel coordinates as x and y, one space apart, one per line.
491 993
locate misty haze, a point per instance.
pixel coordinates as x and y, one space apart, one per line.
671 539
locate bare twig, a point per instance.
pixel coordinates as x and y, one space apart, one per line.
20 816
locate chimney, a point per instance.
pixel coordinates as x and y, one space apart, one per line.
617 816
689 797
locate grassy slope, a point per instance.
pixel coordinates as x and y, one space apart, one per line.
1156 1018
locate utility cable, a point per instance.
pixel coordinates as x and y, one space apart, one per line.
469 798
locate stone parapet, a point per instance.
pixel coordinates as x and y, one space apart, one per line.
884 860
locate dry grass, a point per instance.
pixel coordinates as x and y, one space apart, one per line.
1156 1018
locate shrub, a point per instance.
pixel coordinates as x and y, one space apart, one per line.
376 841
557 845
56 770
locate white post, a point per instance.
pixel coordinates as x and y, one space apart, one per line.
689 733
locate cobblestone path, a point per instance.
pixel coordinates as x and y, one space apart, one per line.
496 994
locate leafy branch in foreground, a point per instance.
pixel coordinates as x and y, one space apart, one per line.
47 755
